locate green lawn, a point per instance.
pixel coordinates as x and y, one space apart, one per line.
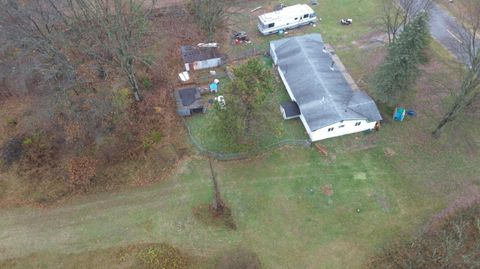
268 124
280 203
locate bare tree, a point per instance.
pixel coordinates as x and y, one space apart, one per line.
397 13
470 88
38 36
218 205
210 14
111 31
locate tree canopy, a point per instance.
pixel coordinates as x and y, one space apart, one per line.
400 70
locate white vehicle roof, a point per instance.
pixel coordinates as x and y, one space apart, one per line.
286 11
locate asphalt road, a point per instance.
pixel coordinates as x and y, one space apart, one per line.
447 31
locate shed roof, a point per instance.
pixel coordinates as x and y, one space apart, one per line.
192 54
188 99
321 92
291 109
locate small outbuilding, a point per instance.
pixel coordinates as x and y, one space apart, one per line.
189 101
289 110
198 57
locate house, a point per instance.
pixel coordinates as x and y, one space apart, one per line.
201 57
189 101
328 104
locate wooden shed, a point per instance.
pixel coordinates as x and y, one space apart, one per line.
195 57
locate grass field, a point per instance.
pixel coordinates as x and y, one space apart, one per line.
294 207
301 213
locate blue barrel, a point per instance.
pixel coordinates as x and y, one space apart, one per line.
411 113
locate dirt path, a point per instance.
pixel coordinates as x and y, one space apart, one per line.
93 222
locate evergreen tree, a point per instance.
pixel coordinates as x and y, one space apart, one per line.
399 70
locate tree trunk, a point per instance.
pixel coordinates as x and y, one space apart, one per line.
217 203
132 79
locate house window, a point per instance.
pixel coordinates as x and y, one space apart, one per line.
341 126
271 25
330 129
305 16
358 123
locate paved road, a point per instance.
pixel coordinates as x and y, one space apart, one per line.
445 29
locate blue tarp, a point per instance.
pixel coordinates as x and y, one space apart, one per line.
214 87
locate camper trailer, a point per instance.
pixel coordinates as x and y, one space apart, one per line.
286 18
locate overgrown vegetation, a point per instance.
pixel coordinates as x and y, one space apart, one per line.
470 87
71 68
400 69
210 14
451 242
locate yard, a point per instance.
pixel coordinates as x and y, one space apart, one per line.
294 207
302 213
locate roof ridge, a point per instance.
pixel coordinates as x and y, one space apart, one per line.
319 79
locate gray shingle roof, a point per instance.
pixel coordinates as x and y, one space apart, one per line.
192 54
291 109
323 96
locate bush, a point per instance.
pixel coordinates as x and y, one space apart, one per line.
81 172
452 242
146 83
162 256
27 141
152 138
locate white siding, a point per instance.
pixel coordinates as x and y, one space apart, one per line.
273 54
210 63
348 128
323 133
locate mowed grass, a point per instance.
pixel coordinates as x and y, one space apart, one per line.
280 203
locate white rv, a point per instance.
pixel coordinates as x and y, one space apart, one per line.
286 18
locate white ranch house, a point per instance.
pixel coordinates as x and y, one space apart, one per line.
321 96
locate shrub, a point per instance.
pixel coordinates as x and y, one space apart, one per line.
81 171
152 138
27 141
11 122
452 242
162 256
146 83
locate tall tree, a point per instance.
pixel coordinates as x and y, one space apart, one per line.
111 31
252 83
400 68
396 14
38 36
210 14
469 34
